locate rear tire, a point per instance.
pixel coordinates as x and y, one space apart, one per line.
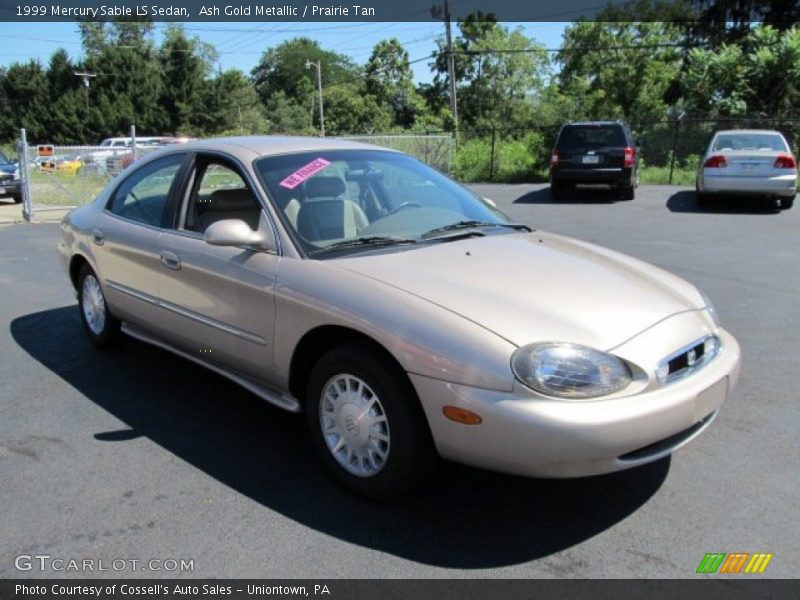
787 202
557 190
701 199
102 328
366 424
628 193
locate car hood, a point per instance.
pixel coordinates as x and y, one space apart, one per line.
535 287
7 168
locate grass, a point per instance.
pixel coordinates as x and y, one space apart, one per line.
55 189
660 176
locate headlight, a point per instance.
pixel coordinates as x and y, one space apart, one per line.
710 307
569 370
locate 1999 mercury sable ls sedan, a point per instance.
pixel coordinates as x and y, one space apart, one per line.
407 317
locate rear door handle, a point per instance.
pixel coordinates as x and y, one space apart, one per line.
98 237
170 260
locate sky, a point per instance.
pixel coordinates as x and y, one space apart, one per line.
240 45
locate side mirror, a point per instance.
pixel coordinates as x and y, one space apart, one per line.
235 232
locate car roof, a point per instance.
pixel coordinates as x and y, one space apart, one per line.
268 145
768 131
594 123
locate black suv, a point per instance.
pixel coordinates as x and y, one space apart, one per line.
594 152
10 184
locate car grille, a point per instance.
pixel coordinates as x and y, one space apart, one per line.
6 176
688 359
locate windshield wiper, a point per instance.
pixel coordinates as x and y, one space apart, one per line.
472 225
371 240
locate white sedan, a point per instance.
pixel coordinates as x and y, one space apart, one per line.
751 162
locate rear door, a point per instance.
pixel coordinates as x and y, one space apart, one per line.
127 237
591 147
221 298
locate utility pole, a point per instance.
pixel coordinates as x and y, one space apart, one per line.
86 77
318 66
451 67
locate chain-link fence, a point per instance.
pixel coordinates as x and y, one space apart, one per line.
670 152
67 176
60 177
434 150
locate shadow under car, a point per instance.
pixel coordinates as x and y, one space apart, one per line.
464 518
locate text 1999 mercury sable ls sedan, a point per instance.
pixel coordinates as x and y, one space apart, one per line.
407 317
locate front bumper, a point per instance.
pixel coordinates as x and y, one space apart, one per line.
11 187
525 434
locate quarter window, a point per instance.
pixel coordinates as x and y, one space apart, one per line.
143 195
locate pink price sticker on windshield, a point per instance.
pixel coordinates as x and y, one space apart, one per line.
303 173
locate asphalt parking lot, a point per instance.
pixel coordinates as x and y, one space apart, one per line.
137 454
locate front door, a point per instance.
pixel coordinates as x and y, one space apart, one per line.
222 298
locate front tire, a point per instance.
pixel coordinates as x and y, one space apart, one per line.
101 327
18 199
366 424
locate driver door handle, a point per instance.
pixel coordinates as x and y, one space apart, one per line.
170 260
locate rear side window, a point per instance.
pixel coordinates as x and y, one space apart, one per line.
575 137
143 195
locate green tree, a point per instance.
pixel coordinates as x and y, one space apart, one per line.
388 77
283 68
497 71
287 116
128 86
757 76
228 104
348 110
24 101
64 121
620 69
185 64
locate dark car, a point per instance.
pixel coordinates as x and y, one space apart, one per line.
595 152
10 184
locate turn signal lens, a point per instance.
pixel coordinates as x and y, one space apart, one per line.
461 415
716 162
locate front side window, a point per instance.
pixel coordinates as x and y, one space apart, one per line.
334 199
219 192
143 195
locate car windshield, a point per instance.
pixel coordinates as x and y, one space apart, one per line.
352 200
574 137
3 159
750 141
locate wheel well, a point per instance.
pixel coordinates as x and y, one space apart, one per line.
75 266
317 342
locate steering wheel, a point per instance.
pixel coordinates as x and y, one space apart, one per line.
405 205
